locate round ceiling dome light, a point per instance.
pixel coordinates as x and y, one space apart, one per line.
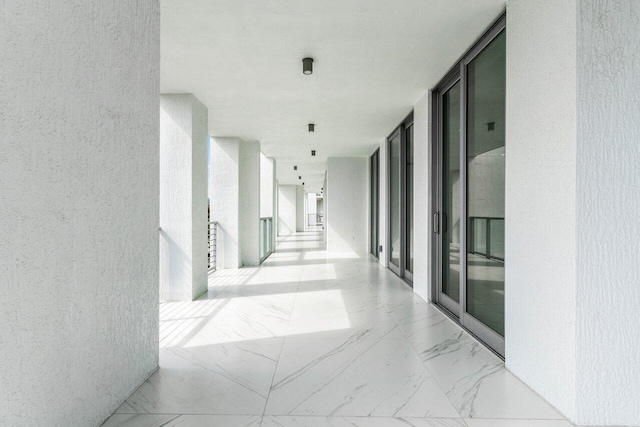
307 66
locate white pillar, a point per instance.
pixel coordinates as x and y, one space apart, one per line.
300 208
422 233
572 205
79 136
286 210
249 208
224 195
347 205
183 198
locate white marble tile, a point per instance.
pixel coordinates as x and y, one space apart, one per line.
336 321
311 421
516 423
157 420
477 383
210 379
139 420
354 377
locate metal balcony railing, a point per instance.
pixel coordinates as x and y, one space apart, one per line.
314 219
213 244
266 238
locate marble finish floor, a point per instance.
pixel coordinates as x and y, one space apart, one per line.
312 340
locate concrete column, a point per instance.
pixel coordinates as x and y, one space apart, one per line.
300 204
224 195
422 233
312 208
572 205
249 203
326 208
286 210
268 191
183 198
347 205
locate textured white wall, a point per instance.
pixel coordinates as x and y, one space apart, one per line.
300 208
224 192
608 213
347 210
540 198
422 232
286 210
325 206
250 202
183 197
78 207
267 186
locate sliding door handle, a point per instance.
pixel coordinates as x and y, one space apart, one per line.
436 223
444 223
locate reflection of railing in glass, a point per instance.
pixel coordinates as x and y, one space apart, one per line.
213 244
314 219
266 237
487 237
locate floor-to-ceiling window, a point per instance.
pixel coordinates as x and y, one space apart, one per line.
400 202
374 186
469 176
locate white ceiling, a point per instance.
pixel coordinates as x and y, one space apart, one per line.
373 60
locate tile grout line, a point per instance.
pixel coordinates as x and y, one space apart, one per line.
415 351
266 402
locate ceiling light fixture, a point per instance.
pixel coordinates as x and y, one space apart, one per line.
312 127
295 168
307 66
313 153
299 177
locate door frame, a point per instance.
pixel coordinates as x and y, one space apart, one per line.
400 270
457 310
374 186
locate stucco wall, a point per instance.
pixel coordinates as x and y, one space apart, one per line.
183 197
347 207
608 212
286 210
540 224
224 192
422 232
78 207
382 203
250 202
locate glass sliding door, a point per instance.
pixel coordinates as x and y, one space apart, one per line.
395 188
400 203
374 184
449 215
469 155
485 184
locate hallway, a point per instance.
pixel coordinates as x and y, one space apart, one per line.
307 340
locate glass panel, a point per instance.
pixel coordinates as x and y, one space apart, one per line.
485 177
394 198
479 233
451 193
374 204
496 237
409 196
